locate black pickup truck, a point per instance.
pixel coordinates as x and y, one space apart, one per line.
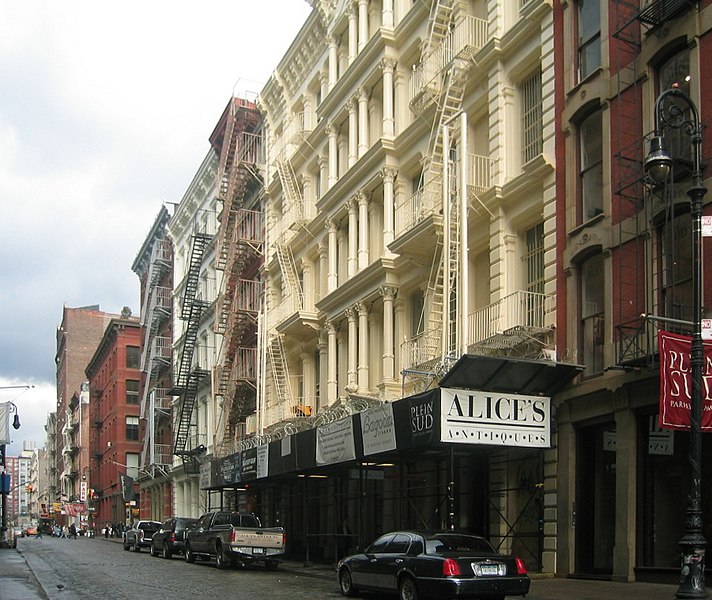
234 537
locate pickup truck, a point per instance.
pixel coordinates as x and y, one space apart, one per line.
234 537
139 536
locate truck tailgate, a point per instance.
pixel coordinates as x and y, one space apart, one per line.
256 538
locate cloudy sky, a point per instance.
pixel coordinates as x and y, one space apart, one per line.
105 112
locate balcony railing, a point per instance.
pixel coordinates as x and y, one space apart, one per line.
421 349
529 309
293 304
418 207
480 172
162 454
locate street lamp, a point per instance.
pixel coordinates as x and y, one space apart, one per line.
674 110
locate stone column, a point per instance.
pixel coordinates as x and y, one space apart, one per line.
352 206
388 174
363 141
388 66
324 84
321 285
180 500
353 33
322 347
353 131
351 383
308 381
362 24
363 225
323 175
389 293
331 277
307 286
332 132
387 17
333 61
331 381
363 384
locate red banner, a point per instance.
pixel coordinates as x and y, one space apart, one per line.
676 382
74 509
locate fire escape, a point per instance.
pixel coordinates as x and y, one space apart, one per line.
156 311
642 214
439 81
240 244
188 377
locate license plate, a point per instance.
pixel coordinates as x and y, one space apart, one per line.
258 551
489 569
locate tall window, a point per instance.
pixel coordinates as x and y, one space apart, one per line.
591 165
131 391
132 464
589 37
675 250
133 357
132 429
592 314
530 92
535 275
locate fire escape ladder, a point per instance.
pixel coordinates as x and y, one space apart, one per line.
289 272
280 370
293 194
634 344
438 25
200 241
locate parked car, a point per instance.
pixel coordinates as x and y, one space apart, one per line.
170 538
234 537
444 564
140 535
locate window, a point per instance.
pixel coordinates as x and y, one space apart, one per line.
132 464
675 252
592 314
591 165
535 275
133 355
589 37
530 91
380 544
132 428
676 70
131 391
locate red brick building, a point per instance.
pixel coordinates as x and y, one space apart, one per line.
624 250
114 375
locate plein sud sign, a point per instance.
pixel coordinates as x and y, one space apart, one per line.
493 418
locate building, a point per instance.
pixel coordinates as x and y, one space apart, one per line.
624 250
196 345
48 491
410 197
78 336
154 267
19 498
114 375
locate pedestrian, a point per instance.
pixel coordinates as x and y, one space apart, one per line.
39 533
73 531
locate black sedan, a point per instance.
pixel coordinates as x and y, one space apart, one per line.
443 564
170 538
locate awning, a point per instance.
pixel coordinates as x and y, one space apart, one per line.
511 375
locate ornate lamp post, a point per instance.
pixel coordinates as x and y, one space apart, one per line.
674 110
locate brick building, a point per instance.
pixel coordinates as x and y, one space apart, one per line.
114 373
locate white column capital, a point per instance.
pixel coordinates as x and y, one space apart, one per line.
388 174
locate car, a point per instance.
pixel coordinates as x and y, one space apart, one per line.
140 535
170 538
439 564
31 530
18 532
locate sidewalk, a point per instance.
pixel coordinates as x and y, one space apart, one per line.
19 583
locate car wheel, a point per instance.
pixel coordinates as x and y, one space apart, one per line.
345 584
166 551
221 561
126 546
189 556
154 550
407 589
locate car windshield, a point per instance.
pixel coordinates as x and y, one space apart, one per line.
457 543
149 526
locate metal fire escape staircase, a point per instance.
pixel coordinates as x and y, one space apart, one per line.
240 239
188 379
292 193
431 352
280 370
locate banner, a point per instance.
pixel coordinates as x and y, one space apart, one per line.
335 442
676 382
73 509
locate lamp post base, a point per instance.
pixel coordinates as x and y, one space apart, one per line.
692 574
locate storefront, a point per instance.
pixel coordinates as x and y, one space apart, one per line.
472 458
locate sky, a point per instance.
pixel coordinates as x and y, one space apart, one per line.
105 113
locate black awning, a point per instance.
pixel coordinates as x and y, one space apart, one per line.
511 375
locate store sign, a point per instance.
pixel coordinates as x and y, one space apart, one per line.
262 461
335 442
475 417
83 491
676 382
660 441
378 429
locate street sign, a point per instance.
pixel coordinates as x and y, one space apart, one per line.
707 226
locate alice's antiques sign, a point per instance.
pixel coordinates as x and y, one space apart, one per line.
676 382
493 418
